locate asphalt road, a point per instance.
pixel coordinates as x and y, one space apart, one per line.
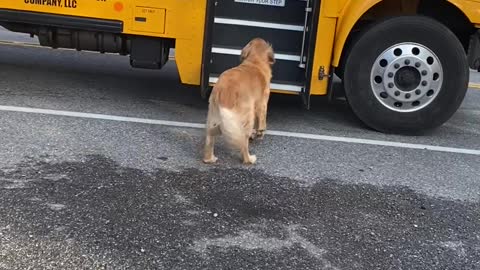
81 193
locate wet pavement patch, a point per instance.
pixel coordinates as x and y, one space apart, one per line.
97 214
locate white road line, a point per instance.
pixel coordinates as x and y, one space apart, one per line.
101 117
270 132
376 142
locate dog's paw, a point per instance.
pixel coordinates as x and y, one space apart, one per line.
252 159
260 134
210 160
253 135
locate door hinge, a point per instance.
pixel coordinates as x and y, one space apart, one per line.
322 74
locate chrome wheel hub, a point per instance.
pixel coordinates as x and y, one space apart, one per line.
406 77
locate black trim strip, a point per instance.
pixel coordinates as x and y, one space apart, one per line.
311 51
292 13
289 42
61 21
207 49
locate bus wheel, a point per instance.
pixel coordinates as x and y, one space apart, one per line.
406 74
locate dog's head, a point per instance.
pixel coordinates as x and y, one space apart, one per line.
260 49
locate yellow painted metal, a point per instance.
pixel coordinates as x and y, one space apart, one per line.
336 21
349 15
470 8
149 20
323 54
353 10
182 20
332 8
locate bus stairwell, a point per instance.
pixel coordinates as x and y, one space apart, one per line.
286 24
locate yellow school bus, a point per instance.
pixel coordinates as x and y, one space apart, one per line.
404 64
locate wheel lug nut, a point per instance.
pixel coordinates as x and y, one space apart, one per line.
407 62
384 95
418 91
424 72
396 65
407 95
390 85
417 64
390 75
397 93
424 83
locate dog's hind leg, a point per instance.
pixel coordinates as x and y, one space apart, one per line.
208 154
247 158
253 134
212 130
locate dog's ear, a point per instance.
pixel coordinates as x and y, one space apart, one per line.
271 56
245 52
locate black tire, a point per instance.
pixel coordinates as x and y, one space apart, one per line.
385 34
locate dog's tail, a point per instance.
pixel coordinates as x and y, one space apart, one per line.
231 127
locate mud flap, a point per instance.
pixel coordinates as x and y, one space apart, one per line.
474 51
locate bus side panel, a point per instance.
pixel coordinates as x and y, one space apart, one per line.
82 8
186 23
471 9
323 54
182 20
354 10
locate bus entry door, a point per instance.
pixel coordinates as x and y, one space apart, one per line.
289 25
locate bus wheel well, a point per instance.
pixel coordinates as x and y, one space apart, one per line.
442 11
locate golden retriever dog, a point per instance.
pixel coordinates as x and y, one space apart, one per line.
238 102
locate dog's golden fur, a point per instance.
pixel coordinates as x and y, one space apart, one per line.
239 99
